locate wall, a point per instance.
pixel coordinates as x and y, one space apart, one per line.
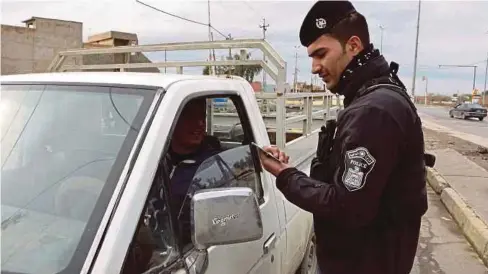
26 50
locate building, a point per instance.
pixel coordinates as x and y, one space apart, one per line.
32 48
115 39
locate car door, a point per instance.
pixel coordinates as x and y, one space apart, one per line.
458 111
252 257
258 256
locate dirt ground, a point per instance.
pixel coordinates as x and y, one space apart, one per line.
436 140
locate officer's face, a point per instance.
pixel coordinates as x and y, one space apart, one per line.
330 58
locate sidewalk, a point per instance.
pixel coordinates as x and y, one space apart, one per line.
463 189
442 248
467 178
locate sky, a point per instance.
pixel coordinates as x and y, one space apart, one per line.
451 32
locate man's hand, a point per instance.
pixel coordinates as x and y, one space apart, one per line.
270 164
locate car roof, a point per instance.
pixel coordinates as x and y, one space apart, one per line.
116 78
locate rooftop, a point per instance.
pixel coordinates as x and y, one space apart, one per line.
114 78
34 18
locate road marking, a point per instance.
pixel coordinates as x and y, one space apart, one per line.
461 135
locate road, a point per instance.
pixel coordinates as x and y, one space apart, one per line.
440 115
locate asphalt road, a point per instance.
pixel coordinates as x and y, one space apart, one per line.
440 115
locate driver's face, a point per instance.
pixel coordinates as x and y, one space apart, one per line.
190 129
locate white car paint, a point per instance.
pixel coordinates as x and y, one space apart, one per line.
290 225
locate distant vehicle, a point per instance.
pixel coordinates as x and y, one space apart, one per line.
468 110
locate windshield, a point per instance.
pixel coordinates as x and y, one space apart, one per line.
474 106
63 151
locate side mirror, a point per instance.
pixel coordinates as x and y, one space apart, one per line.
225 216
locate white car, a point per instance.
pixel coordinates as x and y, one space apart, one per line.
82 152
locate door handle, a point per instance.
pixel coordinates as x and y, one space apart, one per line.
269 244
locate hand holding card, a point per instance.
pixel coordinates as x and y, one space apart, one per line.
272 159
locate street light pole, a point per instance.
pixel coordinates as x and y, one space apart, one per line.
381 44
464 66
426 85
486 74
416 53
296 69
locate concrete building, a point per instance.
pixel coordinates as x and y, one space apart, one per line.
31 48
115 39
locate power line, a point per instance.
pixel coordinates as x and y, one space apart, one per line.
249 6
182 18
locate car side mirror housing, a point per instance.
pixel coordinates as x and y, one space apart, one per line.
225 216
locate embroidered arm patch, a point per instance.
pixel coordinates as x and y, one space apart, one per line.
358 163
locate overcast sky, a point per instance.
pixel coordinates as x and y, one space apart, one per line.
451 32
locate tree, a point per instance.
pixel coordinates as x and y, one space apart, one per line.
247 72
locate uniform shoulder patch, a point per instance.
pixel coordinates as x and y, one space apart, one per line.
358 163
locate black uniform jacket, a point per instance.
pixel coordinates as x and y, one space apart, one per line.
367 214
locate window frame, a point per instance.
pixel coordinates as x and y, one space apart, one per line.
249 137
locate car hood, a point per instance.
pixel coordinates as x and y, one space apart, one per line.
35 242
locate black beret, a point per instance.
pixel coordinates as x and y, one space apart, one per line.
321 18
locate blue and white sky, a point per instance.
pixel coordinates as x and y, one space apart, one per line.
451 32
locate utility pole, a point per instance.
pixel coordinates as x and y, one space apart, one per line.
296 69
486 74
265 27
426 85
416 53
230 52
381 45
210 38
311 83
464 66
165 60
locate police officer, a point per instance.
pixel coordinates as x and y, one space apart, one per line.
367 189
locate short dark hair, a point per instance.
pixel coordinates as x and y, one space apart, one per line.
353 25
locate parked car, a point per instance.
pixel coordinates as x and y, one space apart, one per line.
468 110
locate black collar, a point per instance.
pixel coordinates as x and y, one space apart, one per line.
367 65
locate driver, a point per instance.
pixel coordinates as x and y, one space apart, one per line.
190 146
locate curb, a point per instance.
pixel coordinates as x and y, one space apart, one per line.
473 227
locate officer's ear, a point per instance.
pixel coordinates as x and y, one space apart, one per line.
354 45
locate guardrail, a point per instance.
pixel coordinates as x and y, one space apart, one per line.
324 111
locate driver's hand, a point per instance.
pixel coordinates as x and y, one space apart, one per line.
271 165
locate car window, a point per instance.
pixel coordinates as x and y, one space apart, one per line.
153 245
236 167
231 168
474 106
60 166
